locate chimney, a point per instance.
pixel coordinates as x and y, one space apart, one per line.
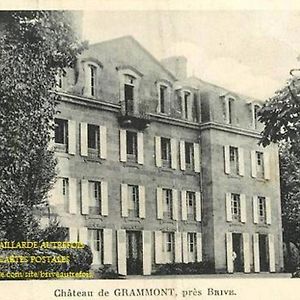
177 65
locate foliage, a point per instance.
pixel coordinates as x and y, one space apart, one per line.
107 272
35 46
184 268
80 260
290 192
281 114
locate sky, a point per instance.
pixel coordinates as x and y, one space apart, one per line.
249 52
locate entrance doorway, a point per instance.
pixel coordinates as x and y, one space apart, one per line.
263 253
134 253
237 254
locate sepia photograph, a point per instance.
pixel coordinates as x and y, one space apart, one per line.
149 145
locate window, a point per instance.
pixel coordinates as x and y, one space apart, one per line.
129 93
65 193
95 241
186 103
59 79
259 164
162 98
189 155
256 109
230 110
92 73
61 134
168 203
93 139
191 246
236 207
262 209
133 201
131 143
191 205
95 197
234 159
169 246
166 152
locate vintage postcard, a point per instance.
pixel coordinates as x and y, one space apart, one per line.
149 150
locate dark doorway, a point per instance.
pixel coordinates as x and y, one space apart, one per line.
237 254
134 253
263 253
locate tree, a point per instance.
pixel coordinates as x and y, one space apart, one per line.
281 114
281 117
35 46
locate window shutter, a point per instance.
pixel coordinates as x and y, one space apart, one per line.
85 197
197 157
199 246
55 195
124 200
83 232
256 252
246 248
226 160
123 146
173 154
182 155
142 202
73 196
185 257
175 204
228 207
229 252
183 206
255 209
268 210
267 165
73 234
121 250
178 251
104 198
159 254
159 203
103 142
158 151
243 208
51 144
241 161
83 139
253 163
107 245
140 148
147 258
72 137
271 252
198 206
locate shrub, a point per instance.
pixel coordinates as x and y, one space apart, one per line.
80 260
184 268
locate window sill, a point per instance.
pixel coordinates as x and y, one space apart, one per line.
89 217
234 176
263 225
166 169
191 222
93 159
168 221
131 164
190 172
132 219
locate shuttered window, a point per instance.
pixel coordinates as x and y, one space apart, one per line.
168 203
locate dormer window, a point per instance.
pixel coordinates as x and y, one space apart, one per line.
164 96
129 86
129 89
229 109
186 105
92 72
255 109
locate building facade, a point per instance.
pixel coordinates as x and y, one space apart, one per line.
158 168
